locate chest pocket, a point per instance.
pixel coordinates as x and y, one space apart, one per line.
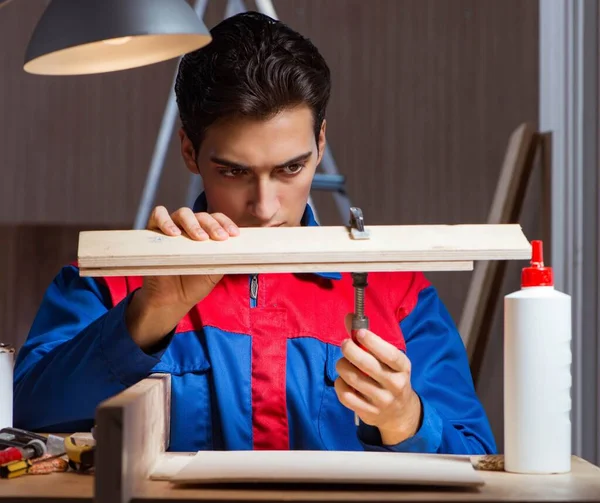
336 422
186 359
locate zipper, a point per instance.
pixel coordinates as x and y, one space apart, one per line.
254 290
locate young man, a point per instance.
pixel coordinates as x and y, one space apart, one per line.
259 362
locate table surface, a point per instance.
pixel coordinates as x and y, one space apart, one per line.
581 484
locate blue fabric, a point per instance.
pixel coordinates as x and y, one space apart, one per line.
453 418
79 352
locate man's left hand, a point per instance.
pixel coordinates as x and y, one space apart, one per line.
375 384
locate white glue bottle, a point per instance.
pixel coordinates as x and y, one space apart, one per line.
537 373
7 353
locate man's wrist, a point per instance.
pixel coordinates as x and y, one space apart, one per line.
411 423
149 322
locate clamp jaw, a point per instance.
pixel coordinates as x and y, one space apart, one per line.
357 224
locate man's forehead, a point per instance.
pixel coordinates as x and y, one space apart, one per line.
261 142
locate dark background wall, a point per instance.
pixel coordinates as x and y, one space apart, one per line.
426 93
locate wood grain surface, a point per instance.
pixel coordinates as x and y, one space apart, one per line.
293 247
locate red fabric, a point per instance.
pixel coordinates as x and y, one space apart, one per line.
269 408
291 306
316 307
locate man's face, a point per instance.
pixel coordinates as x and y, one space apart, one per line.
258 172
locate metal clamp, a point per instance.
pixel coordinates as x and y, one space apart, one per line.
357 224
359 279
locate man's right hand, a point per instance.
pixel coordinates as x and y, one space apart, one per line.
162 301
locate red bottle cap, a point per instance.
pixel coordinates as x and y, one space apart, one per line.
537 274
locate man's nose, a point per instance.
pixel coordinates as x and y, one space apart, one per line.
266 203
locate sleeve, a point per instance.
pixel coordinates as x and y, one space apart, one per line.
77 354
453 420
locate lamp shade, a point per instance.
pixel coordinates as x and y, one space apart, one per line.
76 37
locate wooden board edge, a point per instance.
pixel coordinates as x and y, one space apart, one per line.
133 429
277 268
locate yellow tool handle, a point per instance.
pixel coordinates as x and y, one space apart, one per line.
78 453
14 469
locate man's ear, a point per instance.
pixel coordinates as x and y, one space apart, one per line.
322 141
188 152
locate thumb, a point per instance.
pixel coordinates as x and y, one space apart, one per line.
212 280
198 286
215 278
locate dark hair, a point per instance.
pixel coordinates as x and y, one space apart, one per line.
254 67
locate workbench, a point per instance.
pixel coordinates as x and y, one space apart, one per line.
134 425
582 484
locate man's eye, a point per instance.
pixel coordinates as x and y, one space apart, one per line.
293 169
232 172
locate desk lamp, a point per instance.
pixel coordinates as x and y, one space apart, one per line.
77 37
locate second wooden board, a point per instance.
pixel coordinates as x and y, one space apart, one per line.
327 467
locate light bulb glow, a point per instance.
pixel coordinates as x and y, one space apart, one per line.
117 41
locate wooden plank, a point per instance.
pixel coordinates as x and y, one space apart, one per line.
486 282
132 431
303 245
274 268
328 467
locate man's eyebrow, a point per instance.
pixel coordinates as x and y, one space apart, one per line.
236 165
295 160
229 164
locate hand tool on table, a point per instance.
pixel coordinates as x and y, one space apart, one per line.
17 468
21 444
359 281
23 449
16 451
80 449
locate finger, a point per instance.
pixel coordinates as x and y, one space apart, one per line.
227 224
398 384
186 220
215 278
211 226
362 360
370 365
383 351
362 383
162 221
353 401
348 323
